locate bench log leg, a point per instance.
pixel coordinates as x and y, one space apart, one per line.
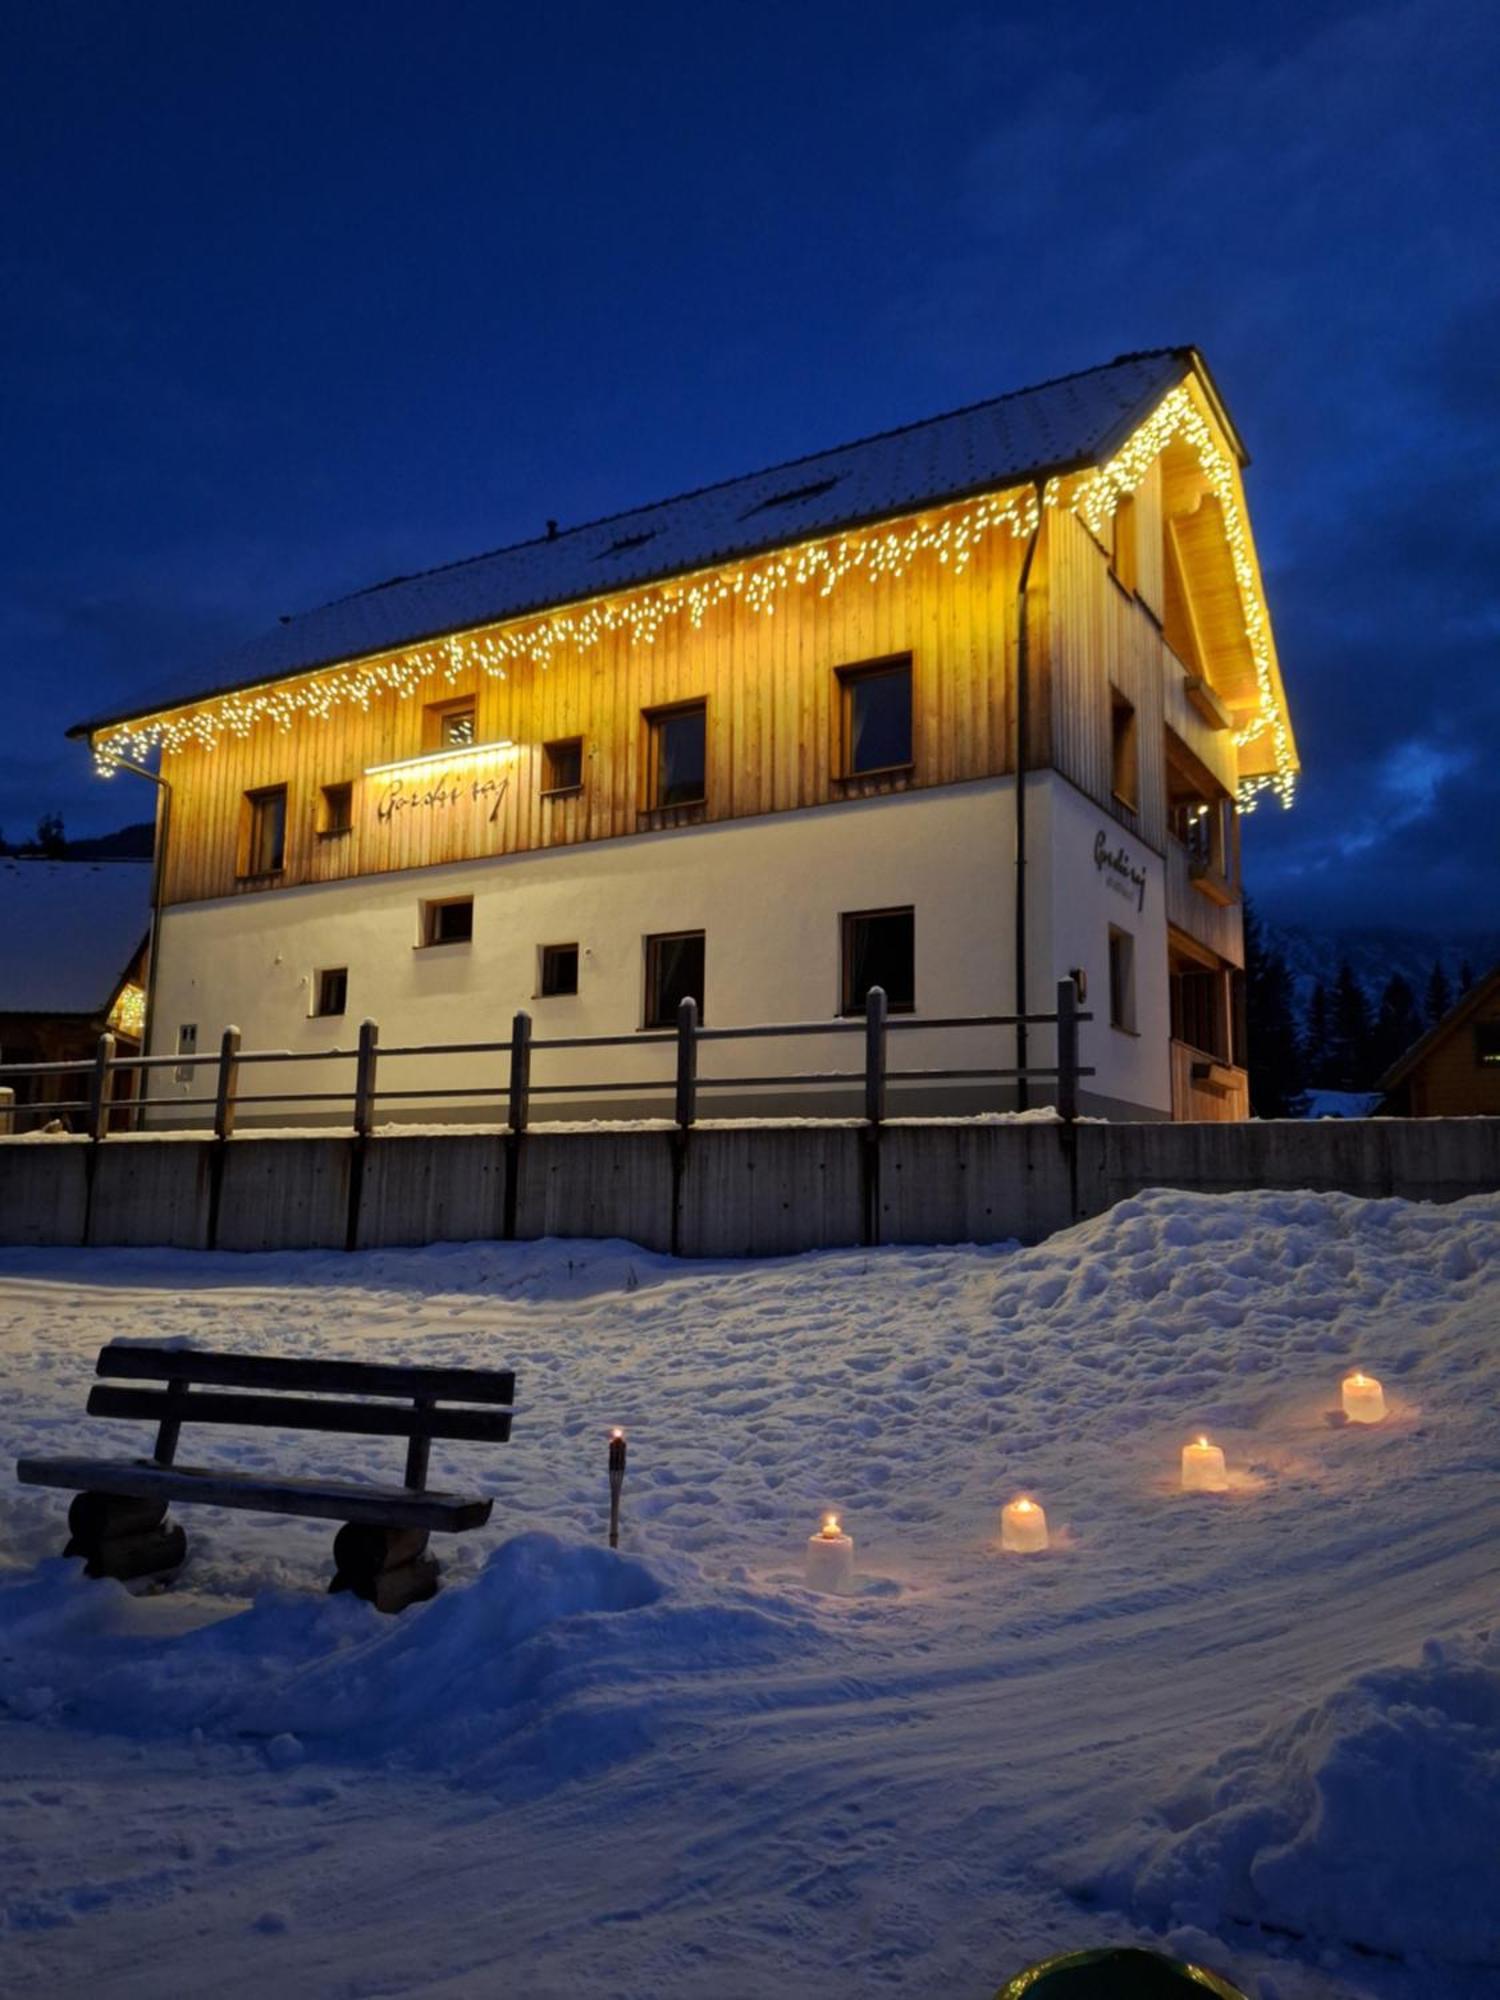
388 1567
124 1538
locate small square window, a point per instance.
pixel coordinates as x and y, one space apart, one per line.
1124 762
265 831
559 974
338 810
1487 1044
562 766
674 973
879 949
331 990
450 725
450 922
677 756
1121 980
456 729
875 703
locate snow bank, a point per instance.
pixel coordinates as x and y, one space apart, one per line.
552 1661
1370 1822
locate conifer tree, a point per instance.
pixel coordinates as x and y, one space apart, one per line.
1350 1051
1317 1038
1398 1023
1275 1054
1439 993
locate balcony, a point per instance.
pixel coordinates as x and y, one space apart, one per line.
1205 1089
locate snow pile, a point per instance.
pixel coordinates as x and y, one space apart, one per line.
553 1661
1371 1821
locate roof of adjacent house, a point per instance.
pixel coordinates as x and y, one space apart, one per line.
71 931
1468 1003
1057 426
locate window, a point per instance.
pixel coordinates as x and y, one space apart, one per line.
677 756
1124 764
265 831
1487 1044
331 990
187 1045
559 974
1121 980
562 766
338 810
674 973
449 725
450 922
879 949
875 702
1124 562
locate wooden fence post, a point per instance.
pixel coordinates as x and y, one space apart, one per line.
520 1072
687 1062
228 1085
364 1078
1067 1049
875 1055
99 1076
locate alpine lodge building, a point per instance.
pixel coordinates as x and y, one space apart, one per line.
961 711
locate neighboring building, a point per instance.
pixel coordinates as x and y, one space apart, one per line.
74 964
1454 1071
883 715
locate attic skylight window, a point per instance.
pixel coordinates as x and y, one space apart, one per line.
625 543
792 496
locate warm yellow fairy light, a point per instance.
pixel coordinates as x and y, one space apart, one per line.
128 1015
467 753
952 535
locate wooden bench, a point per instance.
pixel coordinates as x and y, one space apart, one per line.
119 1518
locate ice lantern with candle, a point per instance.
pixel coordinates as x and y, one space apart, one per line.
830 1558
1023 1526
1203 1469
1364 1399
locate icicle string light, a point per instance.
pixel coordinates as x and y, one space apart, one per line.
951 535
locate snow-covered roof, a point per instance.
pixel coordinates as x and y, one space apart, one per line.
1057 426
69 931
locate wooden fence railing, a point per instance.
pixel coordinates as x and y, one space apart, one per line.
99 1111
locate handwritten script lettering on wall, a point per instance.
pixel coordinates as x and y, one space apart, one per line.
1120 870
444 791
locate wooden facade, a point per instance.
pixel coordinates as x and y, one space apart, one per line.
1454 1071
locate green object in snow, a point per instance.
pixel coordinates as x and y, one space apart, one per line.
1124 1974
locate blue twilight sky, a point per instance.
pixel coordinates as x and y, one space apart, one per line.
298 297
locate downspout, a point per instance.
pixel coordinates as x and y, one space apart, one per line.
1023 729
158 882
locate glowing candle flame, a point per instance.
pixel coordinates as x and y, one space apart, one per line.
616 1435
830 1526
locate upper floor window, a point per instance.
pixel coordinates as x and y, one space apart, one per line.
674 973
450 725
879 949
559 970
875 706
562 766
1487 1044
1121 980
1125 560
338 810
677 756
448 922
1125 763
331 990
263 846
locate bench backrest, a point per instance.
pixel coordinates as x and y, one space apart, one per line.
298 1394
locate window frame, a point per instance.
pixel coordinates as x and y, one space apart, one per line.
1125 548
1124 743
551 790
1118 1012
654 719
255 804
325 972
429 940
850 1006
548 954
436 715
651 1015
1486 1031
328 829
849 679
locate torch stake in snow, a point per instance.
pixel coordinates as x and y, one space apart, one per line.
616 1481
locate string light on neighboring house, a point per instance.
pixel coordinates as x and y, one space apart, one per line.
951 534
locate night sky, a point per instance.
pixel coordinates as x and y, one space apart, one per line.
299 298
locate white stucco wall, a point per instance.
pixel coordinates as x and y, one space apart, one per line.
769 894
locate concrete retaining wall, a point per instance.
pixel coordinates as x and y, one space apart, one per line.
745 1191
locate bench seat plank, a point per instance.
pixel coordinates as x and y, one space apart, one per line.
299 1413
284 1371
260 1493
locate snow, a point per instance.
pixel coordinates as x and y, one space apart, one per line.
1264 1725
1342 1103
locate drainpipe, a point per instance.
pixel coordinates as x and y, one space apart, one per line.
158 882
1023 727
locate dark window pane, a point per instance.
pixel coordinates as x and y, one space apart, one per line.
338 803
267 847
880 949
681 757
1487 1043
450 923
878 719
333 990
562 765
674 973
559 969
